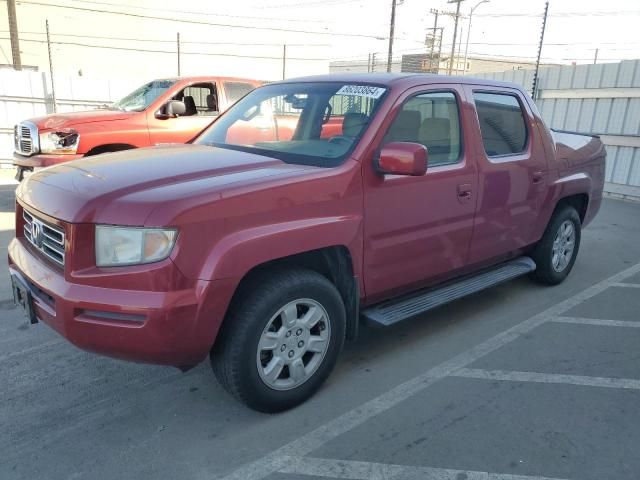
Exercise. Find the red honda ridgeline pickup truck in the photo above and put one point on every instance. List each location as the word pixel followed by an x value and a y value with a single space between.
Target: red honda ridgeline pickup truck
pixel 266 254
pixel 170 110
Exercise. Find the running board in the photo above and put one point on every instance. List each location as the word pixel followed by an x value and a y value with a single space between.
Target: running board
pixel 393 311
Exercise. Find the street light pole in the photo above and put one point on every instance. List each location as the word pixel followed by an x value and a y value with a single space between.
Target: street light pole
pixel 466 48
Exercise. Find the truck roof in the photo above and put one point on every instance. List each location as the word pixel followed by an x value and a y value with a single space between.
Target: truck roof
pixel 209 78
pixel 399 79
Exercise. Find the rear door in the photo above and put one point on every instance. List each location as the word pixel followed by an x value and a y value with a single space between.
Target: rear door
pixel 511 172
pixel 201 101
pixel 418 229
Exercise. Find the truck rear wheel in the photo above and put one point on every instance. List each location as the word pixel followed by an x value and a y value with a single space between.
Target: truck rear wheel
pixel 556 252
pixel 280 340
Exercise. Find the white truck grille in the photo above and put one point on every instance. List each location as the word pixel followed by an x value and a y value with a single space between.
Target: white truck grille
pixel 47 238
pixel 25 138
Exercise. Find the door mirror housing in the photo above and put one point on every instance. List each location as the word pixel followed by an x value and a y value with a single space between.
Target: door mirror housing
pixel 172 109
pixel 403 158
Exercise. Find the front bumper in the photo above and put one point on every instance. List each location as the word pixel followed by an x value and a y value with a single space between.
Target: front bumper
pixel 42 160
pixel 175 328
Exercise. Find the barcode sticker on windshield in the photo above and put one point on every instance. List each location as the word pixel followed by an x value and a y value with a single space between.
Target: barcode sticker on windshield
pixel 361 91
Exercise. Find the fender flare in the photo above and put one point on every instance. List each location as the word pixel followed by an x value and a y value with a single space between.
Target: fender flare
pixel 239 252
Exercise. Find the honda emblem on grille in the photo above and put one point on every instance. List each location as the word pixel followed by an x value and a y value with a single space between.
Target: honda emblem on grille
pixel 36 233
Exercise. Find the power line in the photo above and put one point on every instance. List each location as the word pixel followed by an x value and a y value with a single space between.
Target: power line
pixel 312 3
pixel 172 52
pixel 565 14
pixel 129 39
pixel 156 9
pixel 198 22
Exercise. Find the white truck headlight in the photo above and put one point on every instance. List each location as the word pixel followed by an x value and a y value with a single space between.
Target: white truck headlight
pixel 132 245
pixel 64 141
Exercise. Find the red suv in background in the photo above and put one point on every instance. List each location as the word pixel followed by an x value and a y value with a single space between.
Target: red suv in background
pixel 172 110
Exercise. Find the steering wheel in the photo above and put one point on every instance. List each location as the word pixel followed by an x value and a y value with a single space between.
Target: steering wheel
pixel 340 139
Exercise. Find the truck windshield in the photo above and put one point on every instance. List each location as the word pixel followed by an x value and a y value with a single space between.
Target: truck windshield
pixel 141 98
pixel 307 123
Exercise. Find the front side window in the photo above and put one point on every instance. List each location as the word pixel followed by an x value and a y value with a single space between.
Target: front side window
pixel 502 123
pixel 432 120
pixel 141 98
pixel 307 123
pixel 199 99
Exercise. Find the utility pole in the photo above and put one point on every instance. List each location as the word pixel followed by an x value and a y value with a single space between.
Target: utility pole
pixel 373 62
pixel 284 60
pixel 535 74
pixel 459 50
pixel 178 46
pixel 13 34
pixel 595 57
pixel 455 33
pixel 53 86
pixel 433 38
pixel 391 33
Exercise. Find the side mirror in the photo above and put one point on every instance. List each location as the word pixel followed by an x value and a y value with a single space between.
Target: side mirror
pixel 403 158
pixel 175 108
pixel 172 109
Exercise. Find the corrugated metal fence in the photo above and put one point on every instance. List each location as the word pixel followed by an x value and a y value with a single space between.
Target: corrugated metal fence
pixel 599 99
pixel 27 94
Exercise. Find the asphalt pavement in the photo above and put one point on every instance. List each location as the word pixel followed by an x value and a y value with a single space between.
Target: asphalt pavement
pixel 520 382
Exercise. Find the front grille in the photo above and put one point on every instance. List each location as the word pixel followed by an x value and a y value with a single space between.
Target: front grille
pixel 47 238
pixel 25 137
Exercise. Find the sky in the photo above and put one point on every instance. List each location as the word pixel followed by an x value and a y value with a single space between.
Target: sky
pixel 246 37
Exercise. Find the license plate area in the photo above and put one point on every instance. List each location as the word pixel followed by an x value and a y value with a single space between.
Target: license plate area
pixel 23 298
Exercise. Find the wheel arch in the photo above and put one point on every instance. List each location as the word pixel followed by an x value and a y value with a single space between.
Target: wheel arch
pixel 334 263
pixel 579 201
pixel 109 147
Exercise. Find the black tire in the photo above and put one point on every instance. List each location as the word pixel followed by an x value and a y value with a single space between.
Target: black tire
pixel 545 272
pixel 233 357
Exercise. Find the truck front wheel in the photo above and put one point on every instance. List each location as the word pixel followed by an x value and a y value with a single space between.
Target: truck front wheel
pixel 556 252
pixel 280 340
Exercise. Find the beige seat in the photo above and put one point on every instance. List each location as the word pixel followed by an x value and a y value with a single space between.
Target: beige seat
pixel 404 128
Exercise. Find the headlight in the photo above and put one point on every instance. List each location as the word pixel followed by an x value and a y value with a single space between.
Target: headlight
pixel 63 141
pixel 131 245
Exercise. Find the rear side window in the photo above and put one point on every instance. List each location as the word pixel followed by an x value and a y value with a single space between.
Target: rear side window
pixel 502 124
pixel 237 90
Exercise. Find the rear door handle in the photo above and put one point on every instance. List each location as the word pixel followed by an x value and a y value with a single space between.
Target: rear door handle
pixel 537 177
pixel 464 192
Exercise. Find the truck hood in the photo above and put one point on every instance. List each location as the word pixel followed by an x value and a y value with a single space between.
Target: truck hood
pixel 124 188
pixel 64 120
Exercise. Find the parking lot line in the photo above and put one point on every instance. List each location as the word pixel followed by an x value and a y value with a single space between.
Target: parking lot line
pixel 626 285
pixel 355 470
pixel 596 321
pixel 513 376
pixel 311 441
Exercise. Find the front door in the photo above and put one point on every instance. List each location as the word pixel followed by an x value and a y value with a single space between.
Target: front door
pixel 418 229
pixel 201 102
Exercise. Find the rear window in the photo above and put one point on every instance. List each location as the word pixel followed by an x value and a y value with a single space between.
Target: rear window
pixel 502 123
pixel 236 90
